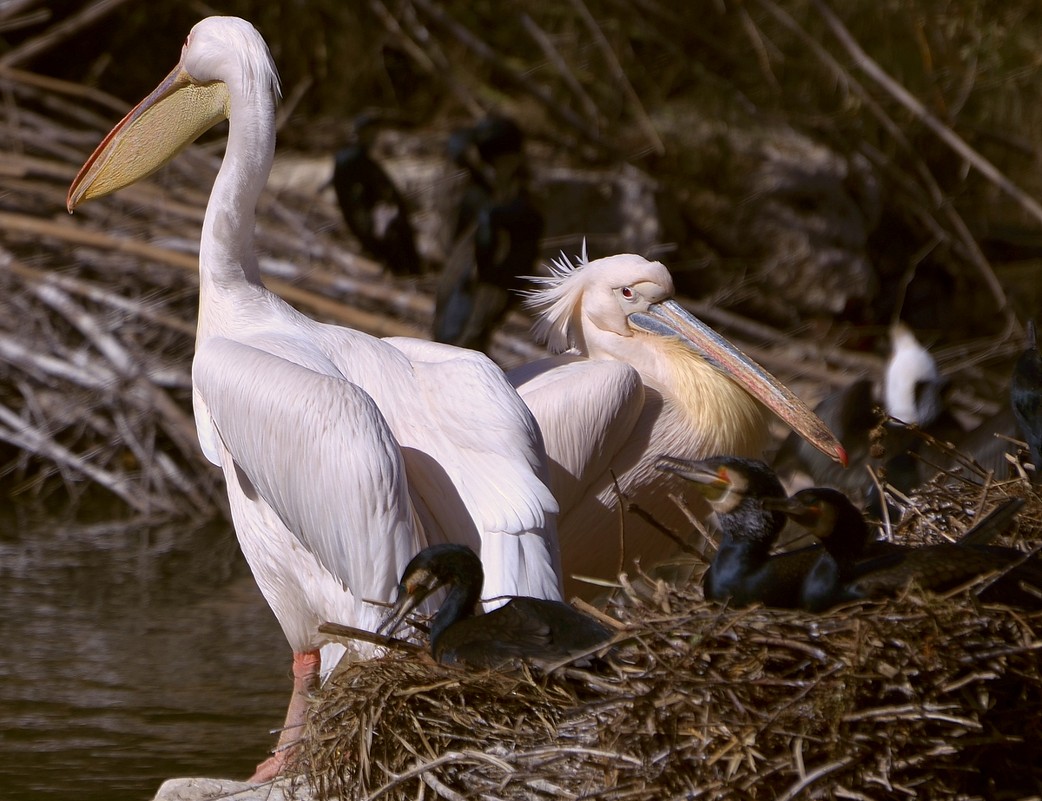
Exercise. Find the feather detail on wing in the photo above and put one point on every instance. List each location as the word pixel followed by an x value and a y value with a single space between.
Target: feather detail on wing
pixel 582 441
pixel 487 442
pixel 318 451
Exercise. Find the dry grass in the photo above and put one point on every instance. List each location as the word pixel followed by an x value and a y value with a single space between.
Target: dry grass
pixel 920 696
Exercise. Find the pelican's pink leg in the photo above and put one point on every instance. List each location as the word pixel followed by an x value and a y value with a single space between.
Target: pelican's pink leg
pixel 306 665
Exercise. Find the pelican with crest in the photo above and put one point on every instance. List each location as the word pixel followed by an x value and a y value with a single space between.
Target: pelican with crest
pixel 343 454
pixel 637 376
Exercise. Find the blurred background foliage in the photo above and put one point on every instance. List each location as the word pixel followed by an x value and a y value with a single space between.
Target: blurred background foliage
pixel 806 185
pixel 974 63
pixel 607 82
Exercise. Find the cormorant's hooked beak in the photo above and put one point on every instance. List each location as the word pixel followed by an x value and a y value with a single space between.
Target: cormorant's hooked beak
pixel 156 129
pixel 695 471
pixel 806 514
pixel 669 319
pixel 410 595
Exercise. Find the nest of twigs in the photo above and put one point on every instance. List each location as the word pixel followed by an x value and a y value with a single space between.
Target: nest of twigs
pixel 919 696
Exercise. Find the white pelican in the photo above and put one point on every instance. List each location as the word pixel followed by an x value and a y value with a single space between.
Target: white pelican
pixel 344 455
pixel 638 377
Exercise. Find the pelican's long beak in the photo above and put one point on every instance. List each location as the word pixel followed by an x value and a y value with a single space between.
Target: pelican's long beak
pixel 668 318
pixel 156 129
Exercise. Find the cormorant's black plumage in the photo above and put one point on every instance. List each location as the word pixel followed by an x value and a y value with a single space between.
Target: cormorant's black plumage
pixel 497 235
pixel 372 206
pixel 743 570
pixel 530 630
pixel 847 571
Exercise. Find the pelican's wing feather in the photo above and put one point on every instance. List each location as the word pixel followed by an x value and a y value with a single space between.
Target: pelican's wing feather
pixel 605 400
pixel 316 449
pixel 485 440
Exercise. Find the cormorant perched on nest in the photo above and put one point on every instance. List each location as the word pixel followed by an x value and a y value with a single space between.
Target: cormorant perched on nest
pixel 840 577
pixel 530 630
pixel 744 571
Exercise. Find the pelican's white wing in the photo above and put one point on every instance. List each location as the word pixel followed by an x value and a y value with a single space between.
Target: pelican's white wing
pixel 485 440
pixel 320 454
pixel 587 410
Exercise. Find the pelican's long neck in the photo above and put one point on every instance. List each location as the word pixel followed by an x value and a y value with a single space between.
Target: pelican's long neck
pixel 711 412
pixel 227 256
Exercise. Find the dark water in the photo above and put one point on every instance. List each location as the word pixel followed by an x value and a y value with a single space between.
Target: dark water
pixel 129 656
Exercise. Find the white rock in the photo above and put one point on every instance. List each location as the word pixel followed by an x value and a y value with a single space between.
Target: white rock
pixel 212 789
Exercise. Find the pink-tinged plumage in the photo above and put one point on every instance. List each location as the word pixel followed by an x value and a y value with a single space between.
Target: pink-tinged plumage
pixel 637 377
pixel 344 455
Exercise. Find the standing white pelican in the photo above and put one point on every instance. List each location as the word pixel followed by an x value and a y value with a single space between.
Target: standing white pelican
pixel 638 377
pixel 344 455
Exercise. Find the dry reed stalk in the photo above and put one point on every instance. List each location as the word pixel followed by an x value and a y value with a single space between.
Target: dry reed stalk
pixel 98 307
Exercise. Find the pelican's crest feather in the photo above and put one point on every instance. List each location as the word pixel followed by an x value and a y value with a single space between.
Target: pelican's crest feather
pixel 558 301
pixel 258 67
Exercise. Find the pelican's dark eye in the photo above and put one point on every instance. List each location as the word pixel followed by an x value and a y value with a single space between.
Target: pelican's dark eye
pixel 628 293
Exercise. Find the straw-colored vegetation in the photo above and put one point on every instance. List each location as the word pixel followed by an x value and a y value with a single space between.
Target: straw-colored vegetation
pixel 919 697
